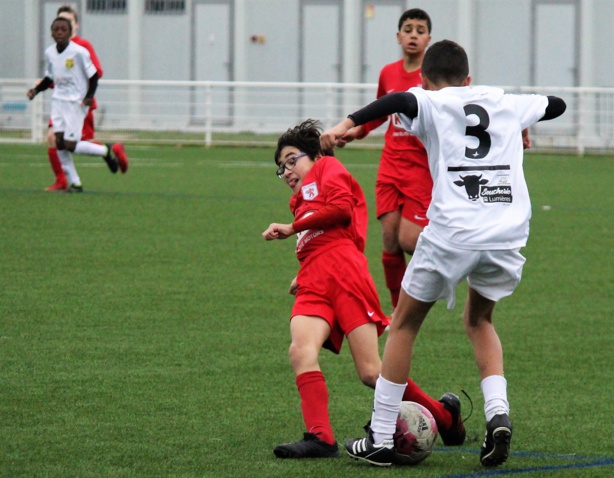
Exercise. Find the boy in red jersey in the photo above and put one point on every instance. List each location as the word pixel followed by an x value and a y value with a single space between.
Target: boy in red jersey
pixel 335 294
pixel 403 186
pixel 115 151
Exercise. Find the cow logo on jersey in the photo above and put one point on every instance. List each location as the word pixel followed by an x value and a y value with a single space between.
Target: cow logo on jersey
pixel 310 191
pixel 70 63
pixel 472 185
pixel 475 187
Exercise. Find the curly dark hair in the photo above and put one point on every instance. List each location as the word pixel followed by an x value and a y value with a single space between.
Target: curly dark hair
pixel 305 137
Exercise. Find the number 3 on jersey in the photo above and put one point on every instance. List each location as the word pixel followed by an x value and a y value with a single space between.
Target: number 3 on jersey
pixel 478 131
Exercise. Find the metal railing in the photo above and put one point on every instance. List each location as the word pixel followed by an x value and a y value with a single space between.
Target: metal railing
pixel 255 113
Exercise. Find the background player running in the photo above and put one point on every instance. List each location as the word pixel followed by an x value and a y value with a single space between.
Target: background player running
pixel 403 185
pixel 70 69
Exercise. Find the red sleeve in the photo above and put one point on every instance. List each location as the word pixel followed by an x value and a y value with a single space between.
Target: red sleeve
pixel 381 91
pixel 88 46
pixel 327 216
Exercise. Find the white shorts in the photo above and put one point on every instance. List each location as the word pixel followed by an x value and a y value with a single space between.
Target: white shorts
pixel 436 269
pixel 67 118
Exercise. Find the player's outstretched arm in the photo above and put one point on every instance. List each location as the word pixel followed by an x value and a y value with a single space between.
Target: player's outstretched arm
pixel 402 102
pixel 278 231
pixel 358 132
pixel 556 107
pixel 334 136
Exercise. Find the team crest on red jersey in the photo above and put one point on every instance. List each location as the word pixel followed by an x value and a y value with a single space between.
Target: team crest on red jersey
pixel 309 191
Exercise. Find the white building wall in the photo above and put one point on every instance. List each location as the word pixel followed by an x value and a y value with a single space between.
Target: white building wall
pixel 132 45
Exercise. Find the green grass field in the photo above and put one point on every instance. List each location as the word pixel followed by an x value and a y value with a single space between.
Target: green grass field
pixel 144 324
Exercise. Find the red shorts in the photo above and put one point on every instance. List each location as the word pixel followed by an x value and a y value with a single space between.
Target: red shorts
pixel 87 133
pixel 336 285
pixel 410 191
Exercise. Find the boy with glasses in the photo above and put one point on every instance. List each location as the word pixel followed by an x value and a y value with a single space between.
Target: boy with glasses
pixel 335 296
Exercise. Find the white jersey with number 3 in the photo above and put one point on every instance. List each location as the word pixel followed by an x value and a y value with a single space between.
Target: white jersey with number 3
pixel 473 136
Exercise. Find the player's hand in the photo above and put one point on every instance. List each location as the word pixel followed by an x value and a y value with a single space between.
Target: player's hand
pixel 31 93
pixel 526 139
pixel 278 231
pixel 356 132
pixel 293 287
pixel 87 102
pixel 334 136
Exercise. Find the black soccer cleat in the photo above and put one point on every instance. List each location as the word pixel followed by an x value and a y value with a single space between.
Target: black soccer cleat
pixel 496 447
pixel 363 449
pixel 75 188
pixel 455 435
pixel 111 159
pixel 309 447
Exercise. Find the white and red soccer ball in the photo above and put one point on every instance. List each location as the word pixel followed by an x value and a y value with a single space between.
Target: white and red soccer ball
pixel 415 435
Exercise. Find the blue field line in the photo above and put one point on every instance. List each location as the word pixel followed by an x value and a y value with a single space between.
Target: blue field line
pixel 579 462
pixel 531 454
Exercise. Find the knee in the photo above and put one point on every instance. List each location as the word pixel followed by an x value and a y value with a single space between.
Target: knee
pixel 390 242
pixel 477 324
pixel 369 375
pixel 302 357
pixel 408 241
pixel 408 244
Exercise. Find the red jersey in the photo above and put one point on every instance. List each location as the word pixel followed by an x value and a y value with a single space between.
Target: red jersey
pixel 329 182
pixel 402 151
pixel 88 46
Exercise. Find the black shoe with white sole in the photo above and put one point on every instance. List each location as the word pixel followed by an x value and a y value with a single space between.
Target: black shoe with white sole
pixel 309 447
pixel 496 447
pixel 363 449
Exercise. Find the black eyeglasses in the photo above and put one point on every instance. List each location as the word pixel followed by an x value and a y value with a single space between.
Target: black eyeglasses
pixel 289 165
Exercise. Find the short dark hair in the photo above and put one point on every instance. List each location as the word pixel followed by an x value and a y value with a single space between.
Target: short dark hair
pixel 305 137
pixel 445 62
pixel 62 19
pixel 416 14
pixel 68 9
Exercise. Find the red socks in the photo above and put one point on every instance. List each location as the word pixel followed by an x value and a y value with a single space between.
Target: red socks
pixel 413 393
pixel 394 270
pixel 56 166
pixel 314 404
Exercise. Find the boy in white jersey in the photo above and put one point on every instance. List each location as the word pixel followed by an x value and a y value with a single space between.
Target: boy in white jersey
pixel 75 78
pixel 478 221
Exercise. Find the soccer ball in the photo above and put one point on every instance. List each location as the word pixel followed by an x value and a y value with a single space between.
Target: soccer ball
pixel 415 434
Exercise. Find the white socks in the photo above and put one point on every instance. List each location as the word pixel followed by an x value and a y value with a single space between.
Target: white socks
pixel 93 149
pixel 494 389
pixel 82 147
pixel 386 406
pixel 69 167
